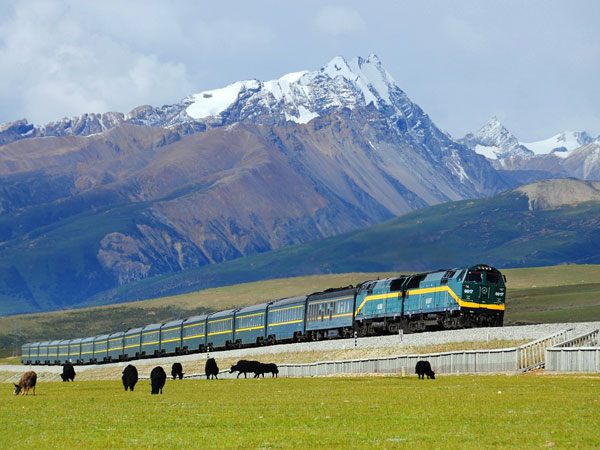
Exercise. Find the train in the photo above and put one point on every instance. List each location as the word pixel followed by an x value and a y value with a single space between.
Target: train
pixel 471 296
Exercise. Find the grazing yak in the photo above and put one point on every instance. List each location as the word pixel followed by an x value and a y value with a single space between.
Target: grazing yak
pixel 130 377
pixel 27 382
pixel 68 372
pixel 177 371
pixel 243 367
pixel 424 368
pixel 269 368
pixel 211 369
pixel 158 377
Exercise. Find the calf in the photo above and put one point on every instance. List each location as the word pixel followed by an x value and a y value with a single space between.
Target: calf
pixel 157 379
pixel 177 371
pixel 68 372
pixel 130 377
pixel 211 369
pixel 244 367
pixel 269 368
pixel 27 382
pixel 424 368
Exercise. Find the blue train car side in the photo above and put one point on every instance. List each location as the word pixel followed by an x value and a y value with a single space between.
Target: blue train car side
pixel 115 346
pixel 219 330
pixel 132 344
pixel 63 351
pixel 87 350
pixel 250 325
pixel 75 351
pixel 25 358
pixel 150 340
pixel 286 320
pixel 330 313
pixel 170 337
pixel 194 334
pixel 100 348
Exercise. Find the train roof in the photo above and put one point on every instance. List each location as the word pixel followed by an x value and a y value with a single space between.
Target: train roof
pixel 152 327
pixel 75 341
pixel 288 301
pixel 195 319
pixel 88 339
pixel 117 334
pixel 55 342
pixel 228 312
pixel 247 309
pixel 172 323
pixel 132 331
pixel 100 337
pixel 65 341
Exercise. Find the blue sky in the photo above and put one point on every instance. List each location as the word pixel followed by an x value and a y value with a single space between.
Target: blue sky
pixel 533 64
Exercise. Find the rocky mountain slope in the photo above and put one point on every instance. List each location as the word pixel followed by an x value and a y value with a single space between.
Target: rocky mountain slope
pixel 102 200
pixel 554 222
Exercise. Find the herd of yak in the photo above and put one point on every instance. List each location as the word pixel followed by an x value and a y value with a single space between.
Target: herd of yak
pixel 158 375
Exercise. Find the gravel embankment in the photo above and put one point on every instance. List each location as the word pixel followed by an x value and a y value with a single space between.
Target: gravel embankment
pixel 9 373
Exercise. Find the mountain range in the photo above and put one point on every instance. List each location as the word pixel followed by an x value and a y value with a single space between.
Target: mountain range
pixel 567 154
pixel 93 203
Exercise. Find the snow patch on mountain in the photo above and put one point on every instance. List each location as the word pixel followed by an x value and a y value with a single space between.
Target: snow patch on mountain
pixel 561 144
pixel 212 103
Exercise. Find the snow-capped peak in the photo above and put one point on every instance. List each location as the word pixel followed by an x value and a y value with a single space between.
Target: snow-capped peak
pixel 494 141
pixel 300 95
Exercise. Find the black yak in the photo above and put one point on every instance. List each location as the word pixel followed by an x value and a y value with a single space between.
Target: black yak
pixel 130 377
pixel 158 377
pixel 424 368
pixel 211 369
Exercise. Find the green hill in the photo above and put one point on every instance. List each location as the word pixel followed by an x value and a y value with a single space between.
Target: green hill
pixel 502 231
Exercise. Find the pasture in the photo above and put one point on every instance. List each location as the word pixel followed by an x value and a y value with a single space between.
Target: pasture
pixel 530 411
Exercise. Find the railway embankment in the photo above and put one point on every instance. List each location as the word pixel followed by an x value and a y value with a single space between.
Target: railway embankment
pixel 329 350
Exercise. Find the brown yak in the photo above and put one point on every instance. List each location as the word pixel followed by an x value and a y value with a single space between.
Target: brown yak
pixel 27 382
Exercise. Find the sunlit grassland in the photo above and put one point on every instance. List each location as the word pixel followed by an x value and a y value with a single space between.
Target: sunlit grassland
pixel 525 411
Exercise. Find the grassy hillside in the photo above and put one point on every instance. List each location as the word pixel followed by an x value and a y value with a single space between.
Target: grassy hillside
pixel 500 231
pixel 57 267
pixel 535 295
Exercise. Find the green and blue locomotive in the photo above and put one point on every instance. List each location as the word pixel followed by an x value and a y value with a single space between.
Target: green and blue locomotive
pixel 471 296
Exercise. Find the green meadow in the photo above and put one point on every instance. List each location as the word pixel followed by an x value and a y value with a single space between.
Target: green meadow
pixel 523 411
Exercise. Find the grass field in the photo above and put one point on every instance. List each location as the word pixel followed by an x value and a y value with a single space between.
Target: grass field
pixel 525 411
pixel 535 295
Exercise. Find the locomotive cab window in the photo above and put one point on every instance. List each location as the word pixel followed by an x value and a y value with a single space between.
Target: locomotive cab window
pixel 474 276
pixel 492 277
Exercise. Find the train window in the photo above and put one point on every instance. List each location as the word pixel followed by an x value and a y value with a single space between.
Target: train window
pixel 492 277
pixel 461 274
pixel 396 285
pixel 474 276
pixel 415 281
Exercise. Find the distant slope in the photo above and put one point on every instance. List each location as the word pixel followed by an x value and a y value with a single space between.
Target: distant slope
pixel 519 228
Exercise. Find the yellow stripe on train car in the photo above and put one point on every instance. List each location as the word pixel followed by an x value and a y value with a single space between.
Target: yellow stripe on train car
pixel 192 337
pixel 462 303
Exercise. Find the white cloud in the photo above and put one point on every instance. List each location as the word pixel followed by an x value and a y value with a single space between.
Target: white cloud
pixel 61 59
pixel 337 20
pixel 52 66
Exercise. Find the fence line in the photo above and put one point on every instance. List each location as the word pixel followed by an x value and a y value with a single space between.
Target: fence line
pixel 533 354
pixel 580 354
pixel 587 339
pixel 513 359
